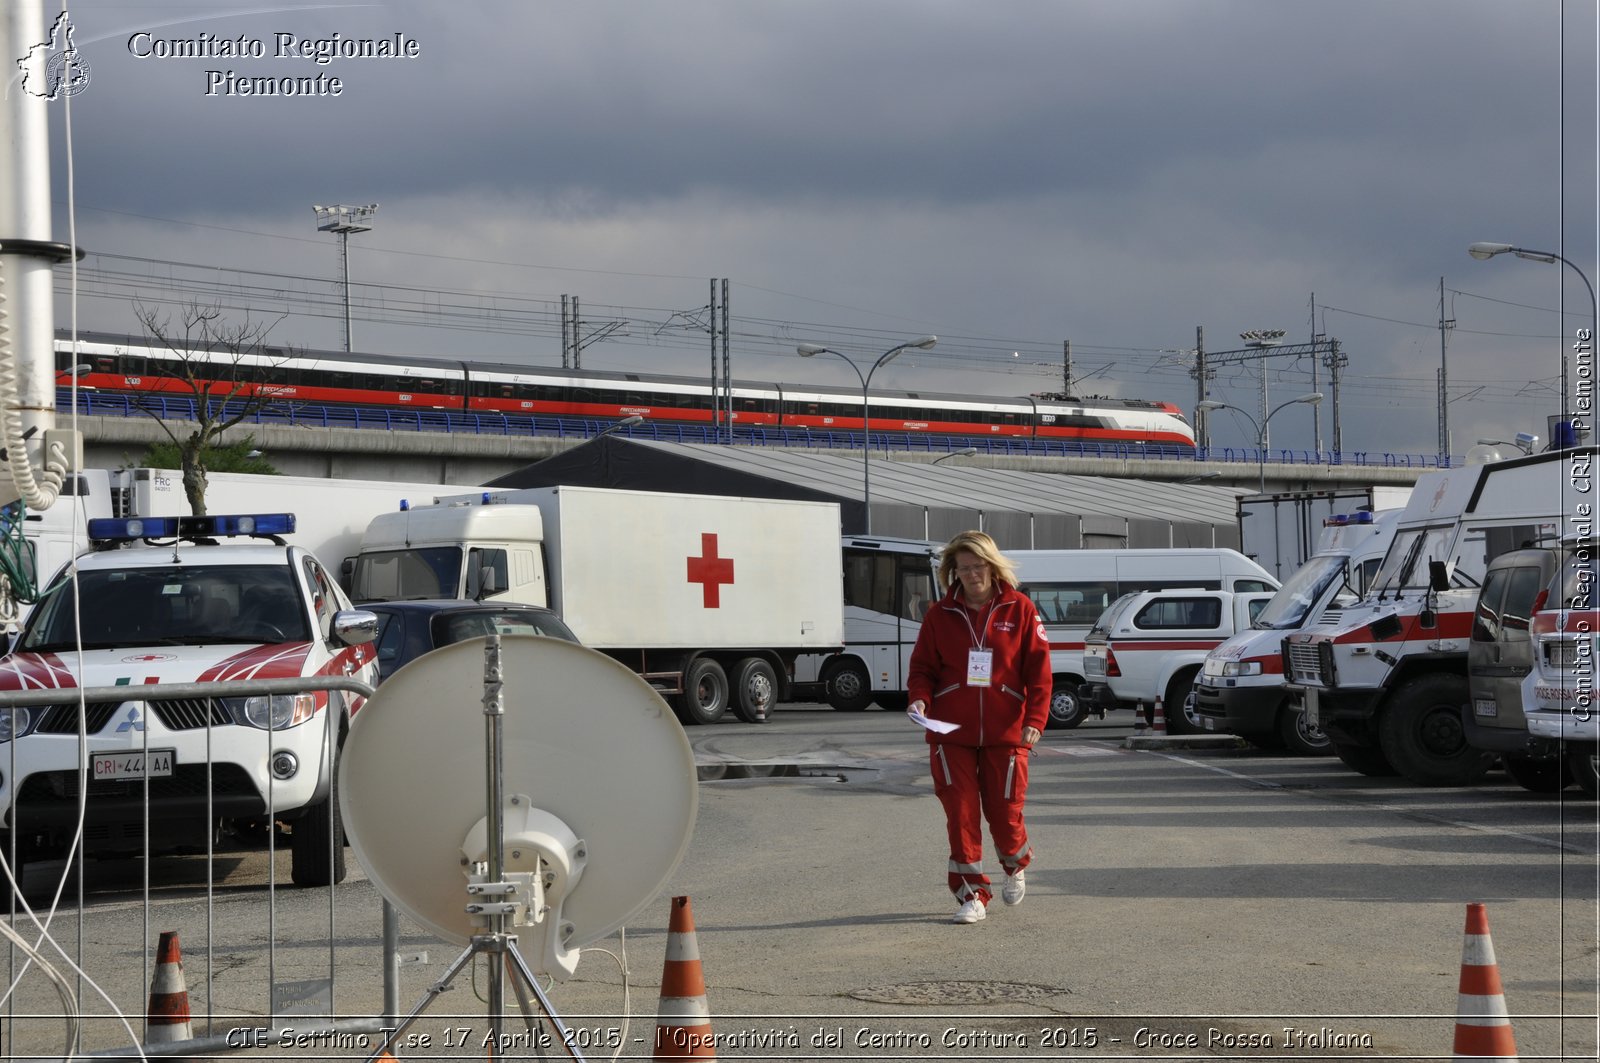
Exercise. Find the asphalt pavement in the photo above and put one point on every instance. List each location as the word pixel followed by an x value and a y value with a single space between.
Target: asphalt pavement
pixel 1183 903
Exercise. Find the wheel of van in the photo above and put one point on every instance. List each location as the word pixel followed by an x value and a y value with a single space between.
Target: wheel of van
pixel 1178 709
pixel 1540 775
pixel 1297 735
pixel 1066 710
pixel 755 690
pixel 1584 763
pixel 849 686
pixel 1367 760
pixel 705 692
pixel 1422 735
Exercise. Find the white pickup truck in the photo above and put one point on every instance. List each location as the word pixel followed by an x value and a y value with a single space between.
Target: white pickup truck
pixel 1152 644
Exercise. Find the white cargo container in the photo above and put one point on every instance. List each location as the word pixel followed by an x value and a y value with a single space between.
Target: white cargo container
pixel 330 515
pixel 710 598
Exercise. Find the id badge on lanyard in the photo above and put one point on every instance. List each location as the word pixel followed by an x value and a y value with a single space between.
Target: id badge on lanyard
pixel 980 667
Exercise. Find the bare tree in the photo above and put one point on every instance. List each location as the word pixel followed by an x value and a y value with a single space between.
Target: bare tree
pixel 223 366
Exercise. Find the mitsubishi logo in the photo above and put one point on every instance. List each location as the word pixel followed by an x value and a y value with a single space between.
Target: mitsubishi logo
pixel 132 723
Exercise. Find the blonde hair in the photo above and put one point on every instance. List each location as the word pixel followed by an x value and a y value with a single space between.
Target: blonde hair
pixel 979 545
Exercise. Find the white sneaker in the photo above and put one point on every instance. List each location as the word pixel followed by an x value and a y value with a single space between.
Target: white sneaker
pixel 1015 888
pixel 970 912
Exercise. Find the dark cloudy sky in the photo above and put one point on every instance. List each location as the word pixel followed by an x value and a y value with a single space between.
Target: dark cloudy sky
pixel 1008 174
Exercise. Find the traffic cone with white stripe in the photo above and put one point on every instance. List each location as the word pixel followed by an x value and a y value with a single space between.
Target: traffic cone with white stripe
pixel 683 1021
pixel 1159 724
pixel 1483 1029
pixel 168 1017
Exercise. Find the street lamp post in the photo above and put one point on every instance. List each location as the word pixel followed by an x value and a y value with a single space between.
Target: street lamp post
pixel 1484 250
pixel 1261 426
pixel 964 452
pixel 808 350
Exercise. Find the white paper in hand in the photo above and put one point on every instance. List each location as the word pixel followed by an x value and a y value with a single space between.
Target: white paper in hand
pixel 938 727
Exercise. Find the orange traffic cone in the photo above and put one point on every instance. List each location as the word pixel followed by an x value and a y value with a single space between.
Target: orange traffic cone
pixel 683 1022
pixel 168 1017
pixel 1159 724
pixel 1483 1029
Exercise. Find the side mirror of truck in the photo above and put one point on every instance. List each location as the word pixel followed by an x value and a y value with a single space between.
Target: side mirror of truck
pixel 1439 575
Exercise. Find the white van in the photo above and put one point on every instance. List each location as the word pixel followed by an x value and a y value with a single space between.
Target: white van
pixel 1071 588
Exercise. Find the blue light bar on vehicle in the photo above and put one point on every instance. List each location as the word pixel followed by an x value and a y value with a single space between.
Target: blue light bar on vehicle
pixel 111 529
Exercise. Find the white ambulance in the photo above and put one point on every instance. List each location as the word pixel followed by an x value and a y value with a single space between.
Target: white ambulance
pixel 1241 689
pixel 1072 588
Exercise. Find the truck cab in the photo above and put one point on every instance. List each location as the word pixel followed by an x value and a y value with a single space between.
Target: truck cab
pixel 182 600
pixel 1152 644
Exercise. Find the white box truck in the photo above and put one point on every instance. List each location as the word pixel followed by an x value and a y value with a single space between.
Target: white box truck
pixel 709 598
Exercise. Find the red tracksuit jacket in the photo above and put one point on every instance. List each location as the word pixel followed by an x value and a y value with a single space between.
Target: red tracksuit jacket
pixel 1019 692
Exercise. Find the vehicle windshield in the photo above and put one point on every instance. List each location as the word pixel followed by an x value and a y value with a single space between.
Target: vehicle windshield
pixel 1405 566
pixel 178 606
pixel 402 575
pixel 1295 599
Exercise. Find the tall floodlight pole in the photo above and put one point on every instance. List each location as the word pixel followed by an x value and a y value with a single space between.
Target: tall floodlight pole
pixel 1261 426
pixel 1484 250
pixel 344 221
pixel 1261 339
pixel 808 350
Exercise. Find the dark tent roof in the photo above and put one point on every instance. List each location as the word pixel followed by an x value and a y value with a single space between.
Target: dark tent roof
pixel 911 499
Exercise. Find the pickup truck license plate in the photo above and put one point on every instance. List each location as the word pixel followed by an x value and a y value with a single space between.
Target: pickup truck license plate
pixel 131 765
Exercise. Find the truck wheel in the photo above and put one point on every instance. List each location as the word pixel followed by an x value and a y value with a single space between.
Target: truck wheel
pixel 705 692
pixel 1179 707
pixel 1540 775
pixel 1421 733
pixel 849 686
pixel 1066 711
pixel 755 690
pixel 1585 768
pixel 1367 760
pixel 1298 735
pixel 317 844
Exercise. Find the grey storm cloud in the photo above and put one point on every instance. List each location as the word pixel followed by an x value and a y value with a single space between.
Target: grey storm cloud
pixel 1016 173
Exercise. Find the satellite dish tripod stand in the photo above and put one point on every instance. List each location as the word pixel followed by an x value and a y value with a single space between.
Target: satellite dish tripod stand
pixel 501 904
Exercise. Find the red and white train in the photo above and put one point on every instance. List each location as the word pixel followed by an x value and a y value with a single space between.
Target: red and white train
pixel 123 365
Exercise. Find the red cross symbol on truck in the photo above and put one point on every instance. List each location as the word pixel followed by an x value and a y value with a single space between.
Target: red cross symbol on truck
pixel 710 571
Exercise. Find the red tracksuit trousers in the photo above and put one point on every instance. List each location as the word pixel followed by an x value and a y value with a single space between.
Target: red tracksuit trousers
pixel 975 784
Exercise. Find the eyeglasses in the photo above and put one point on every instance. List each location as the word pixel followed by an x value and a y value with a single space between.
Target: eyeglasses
pixel 970 570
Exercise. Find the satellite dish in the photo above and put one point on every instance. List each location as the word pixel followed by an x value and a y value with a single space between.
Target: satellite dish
pixel 597 777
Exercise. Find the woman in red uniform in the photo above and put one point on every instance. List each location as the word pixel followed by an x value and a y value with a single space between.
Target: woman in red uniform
pixel 982 662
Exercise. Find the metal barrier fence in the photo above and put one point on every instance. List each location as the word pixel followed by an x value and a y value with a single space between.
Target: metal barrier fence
pixel 94 403
pixel 268 958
